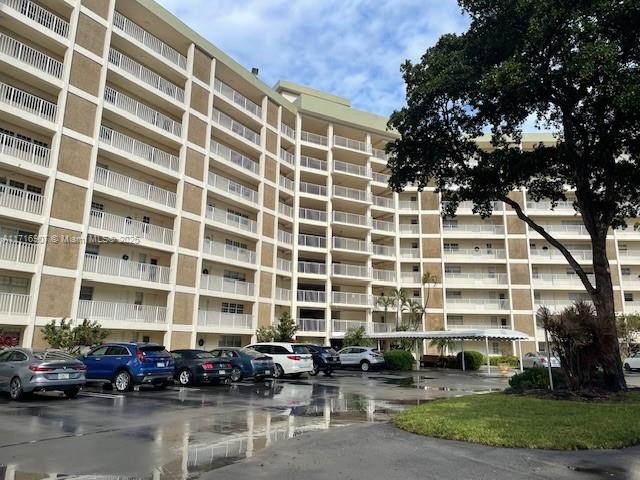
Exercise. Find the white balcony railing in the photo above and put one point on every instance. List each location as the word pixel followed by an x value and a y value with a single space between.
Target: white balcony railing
pixel 283 294
pixel 314 241
pixel 130 228
pixel 381 154
pixel 233 188
pixel 343 243
pixel 286 183
pixel 475 278
pixel 26 151
pixel 216 283
pixel 30 56
pixel 313 163
pixel 384 250
pixel 312 214
pixel 138 149
pixel 555 304
pixel 121 312
pixel 228 123
pixel 554 254
pixel 16 98
pixel 287 131
pixel 286 210
pixel 285 237
pixel 381 177
pixel 287 157
pixel 346 270
pixel 351 193
pixel 411 228
pixel 312 296
pixel 352 144
pixel 118 267
pixel 142 111
pixel 21 200
pixel 18 252
pixel 122 23
pixel 237 98
pixel 408 205
pixel 142 73
pixel 352 169
pixel 409 252
pixel 14 303
pixel 311 324
pixel 312 268
pixel 351 218
pixel 559 279
pixel 475 326
pixel 283 264
pixel 479 253
pixel 218 319
pixel 35 12
pixel 410 277
pixel 455 303
pixel 383 225
pixel 384 275
pixel 134 187
pixel 344 325
pixel 313 189
pixel 234 157
pixel 229 252
pixel 314 138
pixel 472 228
pixel 569 229
pixel 231 219
pixel 546 206
pixel 383 201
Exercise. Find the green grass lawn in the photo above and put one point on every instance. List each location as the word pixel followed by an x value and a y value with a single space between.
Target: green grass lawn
pixel 500 419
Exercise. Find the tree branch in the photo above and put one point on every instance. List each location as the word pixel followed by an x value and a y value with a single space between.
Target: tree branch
pixel 565 252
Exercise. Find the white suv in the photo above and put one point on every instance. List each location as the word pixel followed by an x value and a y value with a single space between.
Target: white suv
pixel 289 358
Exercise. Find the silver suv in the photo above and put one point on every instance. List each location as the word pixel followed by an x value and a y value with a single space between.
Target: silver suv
pixel 364 357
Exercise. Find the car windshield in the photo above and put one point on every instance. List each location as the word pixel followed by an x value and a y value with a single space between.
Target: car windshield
pixel 329 350
pixel 300 349
pixel 251 352
pixel 204 355
pixel 151 348
pixel 52 355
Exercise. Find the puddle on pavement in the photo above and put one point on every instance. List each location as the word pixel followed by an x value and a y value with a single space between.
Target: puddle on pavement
pixel 420 384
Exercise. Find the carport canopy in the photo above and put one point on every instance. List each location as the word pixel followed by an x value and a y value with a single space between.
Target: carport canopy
pixel 461 335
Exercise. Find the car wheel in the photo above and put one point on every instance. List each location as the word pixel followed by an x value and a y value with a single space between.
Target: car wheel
pixel 315 371
pixel 278 371
pixel 627 367
pixel 72 393
pixel 236 374
pixel 328 372
pixel 122 381
pixel 15 389
pixel 365 366
pixel 185 377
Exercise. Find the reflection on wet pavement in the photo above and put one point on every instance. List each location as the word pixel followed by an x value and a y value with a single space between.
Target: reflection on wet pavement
pixel 180 433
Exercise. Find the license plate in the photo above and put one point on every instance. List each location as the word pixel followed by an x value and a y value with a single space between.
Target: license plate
pixel 160 364
pixel 222 372
pixel 63 376
pixel 267 372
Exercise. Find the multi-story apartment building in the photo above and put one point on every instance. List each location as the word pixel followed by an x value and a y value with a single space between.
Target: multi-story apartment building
pixel 151 183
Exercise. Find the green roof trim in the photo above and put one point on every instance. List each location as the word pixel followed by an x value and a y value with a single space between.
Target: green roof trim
pixel 296 88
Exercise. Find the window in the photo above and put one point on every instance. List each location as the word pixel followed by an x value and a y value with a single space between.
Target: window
pixel 452 269
pixel 237 213
pixel 14 285
pixel 454 294
pixel 17 357
pixel 34 189
pixel 86 293
pixel 415 268
pixel 232 308
pixel 232 275
pixel 451 247
pixel 235 243
pixel 450 223
pixel 495 348
pixel 455 320
pixel 92 249
pixel 626 271
pixel 97 206
pixel 230 341
pixel 628 296
pixel 98 351
pixel 138 298
pixel 117 350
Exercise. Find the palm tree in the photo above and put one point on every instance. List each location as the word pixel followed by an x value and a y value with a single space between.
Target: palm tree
pixel 442 344
pixel 385 302
pixel 429 280
pixel 400 298
pixel 417 311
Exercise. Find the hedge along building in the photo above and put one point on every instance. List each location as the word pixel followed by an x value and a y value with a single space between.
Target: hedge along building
pixel 151 183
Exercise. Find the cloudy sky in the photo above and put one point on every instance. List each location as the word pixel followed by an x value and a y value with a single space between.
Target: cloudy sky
pixel 351 48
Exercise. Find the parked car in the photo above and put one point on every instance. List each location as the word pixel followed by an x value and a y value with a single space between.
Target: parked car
pixel 25 370
pixel 632 362
pixel 288 358
pixel 325 359
pixel 364 357
pixel 246 363
pixel 125 365
pixel 539 359
pixel 199 366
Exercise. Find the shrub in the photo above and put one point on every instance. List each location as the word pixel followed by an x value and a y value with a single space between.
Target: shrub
pixel 356 336
pixel 537 378
pixel 472 360
pixel 510 359
pixel 399 359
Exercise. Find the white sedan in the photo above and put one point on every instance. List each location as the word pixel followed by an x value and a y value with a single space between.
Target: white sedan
pixel 632 362
pixel 539 359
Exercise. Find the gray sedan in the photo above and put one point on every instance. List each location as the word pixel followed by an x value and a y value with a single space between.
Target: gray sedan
pixel 25 370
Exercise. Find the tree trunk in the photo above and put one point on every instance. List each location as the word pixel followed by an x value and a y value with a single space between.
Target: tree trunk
pixel 605 309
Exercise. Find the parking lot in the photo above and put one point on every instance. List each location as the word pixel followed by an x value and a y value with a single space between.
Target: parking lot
pixel 184 432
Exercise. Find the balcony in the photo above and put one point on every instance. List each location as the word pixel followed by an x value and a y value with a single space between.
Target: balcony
pixel 411 277
pixel 455 303
pixel 313 189
pixel 475 278
pixel 383 226
pixel 283 294
pixel 117 267
pixel 351 169
pixel 632 307
pixel 141 111
pixel 554 280
pixel 383 202
pixel 384 275
pixel 287 131
pixel 545 206
pixel 21 200
pixel 353 244
pixel 351 193
pixel 136 188
pixel 234 157
pixel 123 24
pixel 381 178
pixel 283 264
pixel 286 183
pixel 312 214
pixel 130 228
pixel 25 151
pixel 228 252
pixel 314 138
pixel 311 324
pixel 312 268
pixel 409 252
pixel 380 154
pixel 216 283
pixel 560 229
pixel 284 209
pixel 554 254
pixel 468 205
pixel 384 250
pixel 14 303
pixel 287 157
pixel 313 163
pixel 313 241
pixel 121 312
pixel 218 319
pixel 237 98
pixel 285 237
pixel 231 219
pixel 345 142
pixel 476 326
pixel 556 305
pixel 409 228
pixel 341 326
pixel 234 188
pixel 16 98
pixel 408 205
pixel 312 296
pixel 225 121
pixel 475 253
pixel 474 228
pixel 351 219
pixel 146 76
pixel 36 13
pixel 142 151
pixel 29 56
pixel 13 251
pixel 346 270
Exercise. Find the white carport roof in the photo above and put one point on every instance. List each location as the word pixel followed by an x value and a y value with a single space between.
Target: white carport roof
pixel 472 334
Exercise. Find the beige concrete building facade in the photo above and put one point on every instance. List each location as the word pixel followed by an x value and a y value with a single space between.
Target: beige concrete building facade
pixel 149 182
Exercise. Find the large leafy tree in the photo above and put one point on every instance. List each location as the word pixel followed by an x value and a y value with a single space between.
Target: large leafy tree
pixel 574 67
pixel 72 338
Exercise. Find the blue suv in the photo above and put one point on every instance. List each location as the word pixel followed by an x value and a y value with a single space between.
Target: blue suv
pixel 125 365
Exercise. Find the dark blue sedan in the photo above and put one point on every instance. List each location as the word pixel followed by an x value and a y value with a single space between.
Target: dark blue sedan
pixel 246 363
